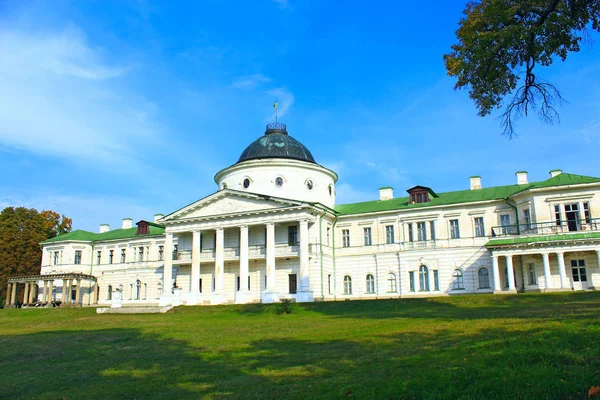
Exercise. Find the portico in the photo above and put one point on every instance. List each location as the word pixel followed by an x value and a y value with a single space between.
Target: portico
pixel 31 287
pixel 272 240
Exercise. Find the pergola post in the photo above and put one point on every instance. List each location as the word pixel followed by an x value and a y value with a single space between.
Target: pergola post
pixel 8 293
pixel 78 293
pixel 33 293
pixel 13 297
pixel 69 290
pixel 45 292
pixel 26 294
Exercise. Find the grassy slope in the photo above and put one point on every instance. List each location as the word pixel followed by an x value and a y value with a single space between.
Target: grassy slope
pixel 523 346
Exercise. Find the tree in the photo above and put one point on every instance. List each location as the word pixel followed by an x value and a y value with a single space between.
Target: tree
pixel 21 231
pixel 501 42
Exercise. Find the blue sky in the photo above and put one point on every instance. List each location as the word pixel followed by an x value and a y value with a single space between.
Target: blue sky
pixel 126 109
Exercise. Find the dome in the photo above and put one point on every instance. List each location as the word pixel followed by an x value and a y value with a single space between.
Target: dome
pixel 276 143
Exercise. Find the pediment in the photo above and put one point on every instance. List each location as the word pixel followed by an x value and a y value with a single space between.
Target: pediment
pixel 227 202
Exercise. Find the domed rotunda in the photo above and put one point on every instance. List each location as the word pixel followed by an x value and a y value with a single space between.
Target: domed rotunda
pixel 276 164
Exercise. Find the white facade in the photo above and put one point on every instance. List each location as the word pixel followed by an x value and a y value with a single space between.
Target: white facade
pixel 273 239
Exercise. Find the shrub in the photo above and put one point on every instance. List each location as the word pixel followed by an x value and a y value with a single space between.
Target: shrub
pixel 285 307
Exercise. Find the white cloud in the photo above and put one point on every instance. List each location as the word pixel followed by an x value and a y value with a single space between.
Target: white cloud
pixel 346 193
pixel 250 81
pixel 59 97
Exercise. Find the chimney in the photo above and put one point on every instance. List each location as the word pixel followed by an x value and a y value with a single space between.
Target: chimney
pixel 521 177
pixel 555 172
pixel 104 228
pixel 386 193
pixel 127 223
pixel 157 217
pixel 475 182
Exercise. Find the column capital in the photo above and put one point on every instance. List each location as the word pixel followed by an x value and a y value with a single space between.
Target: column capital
pixel 218 229
pixel 243 227
pixel 269 224
pixel 560 253
pixel 196 231
pixel 169 235
pixel 303 222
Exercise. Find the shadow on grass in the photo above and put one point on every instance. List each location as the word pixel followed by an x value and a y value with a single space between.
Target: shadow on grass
pixel 559 362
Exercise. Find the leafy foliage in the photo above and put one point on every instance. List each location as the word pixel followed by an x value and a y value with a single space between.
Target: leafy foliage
pixel 500 42
pixel 21 231
pixel 285 307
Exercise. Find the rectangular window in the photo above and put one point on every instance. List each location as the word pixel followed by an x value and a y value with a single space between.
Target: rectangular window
pixel 98 257
pixel 123 251
pixel 265 281
pixel 421 231
pixel 161 252
pixel 56 258
pixel 411 276
pixel 292 235
pixel 328 234
pixel 586 212
pixel 140 254
pixel 479 228
pixel 436 280
pixel 454 232
pixel 410 232
pixel 248 282
pixel 200 285
pixel 237 283
pixel 505 223
pixel 367 235
pixel 557 214
pixel 293 283
pixel 432 229
pixel 329 283
pixel 77 257
pixel 531 273
pixel 345 237
pixel 389 234
pixel 527 218
pixel 111 255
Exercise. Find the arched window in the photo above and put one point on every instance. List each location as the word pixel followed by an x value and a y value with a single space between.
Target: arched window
pixel 347 285
pixel 457 280
pixel 370 284
pixel 392 282
pixel 138 289
pixel 159 290
pixel 109 293
pixel 484 278
pixel 423 278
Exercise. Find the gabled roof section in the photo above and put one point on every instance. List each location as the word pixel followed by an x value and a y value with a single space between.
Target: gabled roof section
pixel 463 196
pixel 418 188
pixel 85 236
pixel 218 204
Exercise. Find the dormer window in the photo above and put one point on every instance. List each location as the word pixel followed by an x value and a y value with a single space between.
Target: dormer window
pixel 142 228
pixel 420 194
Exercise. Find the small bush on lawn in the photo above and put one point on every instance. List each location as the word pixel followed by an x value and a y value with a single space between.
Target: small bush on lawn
pixel 285 307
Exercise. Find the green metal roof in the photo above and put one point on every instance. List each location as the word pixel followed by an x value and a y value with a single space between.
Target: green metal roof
pixel 545 238
pixel 129 233
pixel 462 196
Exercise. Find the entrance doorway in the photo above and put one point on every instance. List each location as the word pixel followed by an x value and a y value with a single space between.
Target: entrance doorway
pixel 579 275
pixel 572 214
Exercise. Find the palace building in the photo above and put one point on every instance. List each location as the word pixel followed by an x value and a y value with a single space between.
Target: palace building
pixel 273 231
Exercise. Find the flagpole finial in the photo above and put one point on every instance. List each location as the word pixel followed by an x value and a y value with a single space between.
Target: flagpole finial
pixel 275 107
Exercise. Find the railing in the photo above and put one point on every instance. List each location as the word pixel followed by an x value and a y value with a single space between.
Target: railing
pixel 421 244
pixel 285 249
pixel 548 228
pixel 254 251
pixel 182 255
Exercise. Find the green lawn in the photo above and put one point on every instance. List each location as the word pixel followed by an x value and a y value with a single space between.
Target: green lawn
pixel 525 346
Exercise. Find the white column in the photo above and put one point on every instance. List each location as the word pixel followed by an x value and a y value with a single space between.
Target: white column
pixel 510 272
pixel 547 275
pixel 496 273
pixel 26 293
pixel 243 295
pixel 564 284
pixel 598 256
pixel 195 276
pixel 166 298
pixel 270 295
pixel 217 297
pixel 304 293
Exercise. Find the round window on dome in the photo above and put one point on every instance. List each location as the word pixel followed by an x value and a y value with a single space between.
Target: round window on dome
pixel 279 181
pixel 224 186
pixel 309 184
pixel 246 183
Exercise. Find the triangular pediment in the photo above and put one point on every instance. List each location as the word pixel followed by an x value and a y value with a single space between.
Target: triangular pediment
pixel 228 202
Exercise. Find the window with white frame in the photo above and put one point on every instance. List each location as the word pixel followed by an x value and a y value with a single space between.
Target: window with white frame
pixel 389 234
pixel 432 230
pixel 531 274
pixel 123 254
pixel 370 283
pixel 138 289
pixel 423 278
pixel 367 236
pixel 436 280
pixel 557 218
pixel 410 232
pixel 77 259
pixel 586 212
pixel 411 280
pixel 56 258
pixel 141 253
pixel 98 257
pixel 527 218
pixel 484 278
pixel 111 255
pixel 479 227
pixel 454 231
pixel 161 252
pixel 347 284
pixel 346 237
pixel 457 280
pixel 421 231
pixel 392 282
pixel 505 223
pixel 292 235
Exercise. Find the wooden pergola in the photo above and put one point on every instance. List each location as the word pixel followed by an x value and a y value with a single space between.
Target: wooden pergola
pixel 32 284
